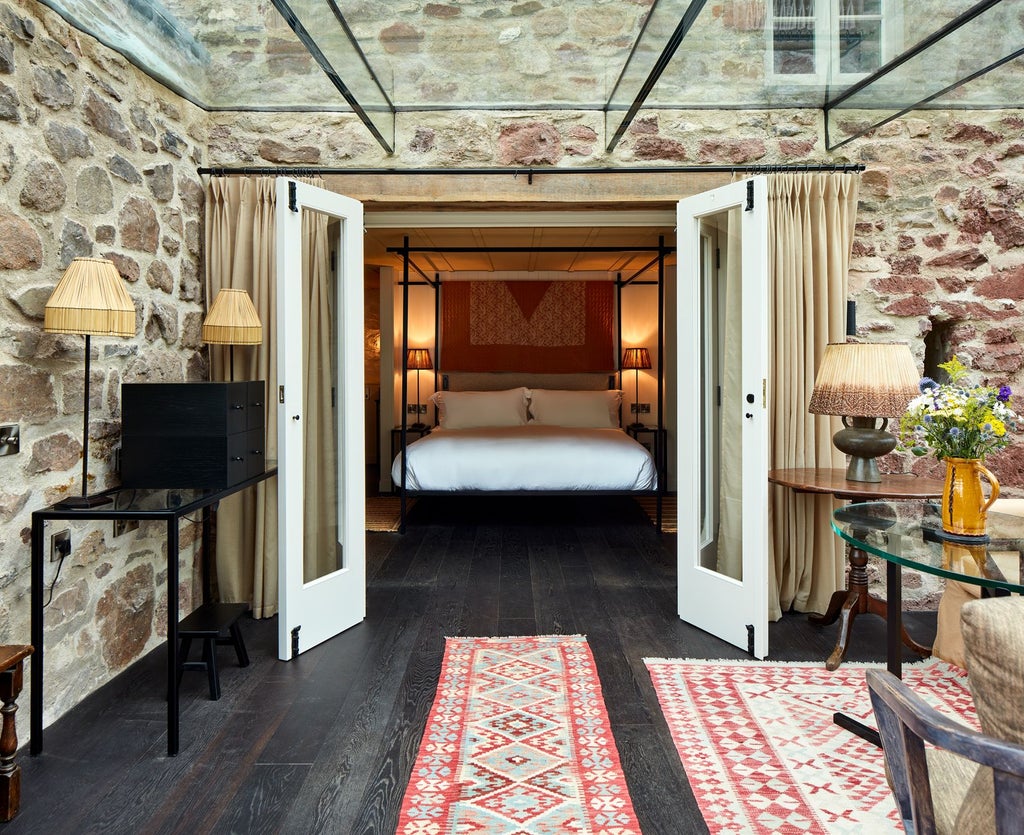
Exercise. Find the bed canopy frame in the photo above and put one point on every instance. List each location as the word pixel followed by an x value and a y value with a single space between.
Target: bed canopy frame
pixel 659 255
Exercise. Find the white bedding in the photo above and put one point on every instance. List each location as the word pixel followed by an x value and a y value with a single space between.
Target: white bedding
pixel 532 457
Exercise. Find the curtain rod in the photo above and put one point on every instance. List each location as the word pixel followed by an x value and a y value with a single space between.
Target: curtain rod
pixel 294 171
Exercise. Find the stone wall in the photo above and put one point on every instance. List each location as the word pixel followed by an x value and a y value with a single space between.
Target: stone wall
pixel 95 160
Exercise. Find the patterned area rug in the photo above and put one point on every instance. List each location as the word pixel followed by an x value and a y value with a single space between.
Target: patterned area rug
pixel 761 750
pixel 383 513
pixel 517 743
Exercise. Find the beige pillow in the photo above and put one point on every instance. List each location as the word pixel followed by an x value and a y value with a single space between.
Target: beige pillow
pixel 479 409
pixel 993 633
pixel 578 409
pixel 949 643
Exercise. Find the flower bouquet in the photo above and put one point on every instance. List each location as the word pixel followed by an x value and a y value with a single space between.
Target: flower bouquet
pixel 960 424
pixel 956 420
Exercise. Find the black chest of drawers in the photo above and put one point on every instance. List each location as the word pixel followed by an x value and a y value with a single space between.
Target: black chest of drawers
pixel 201 435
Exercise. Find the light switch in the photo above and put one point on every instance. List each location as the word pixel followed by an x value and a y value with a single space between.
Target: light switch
pixel 10 439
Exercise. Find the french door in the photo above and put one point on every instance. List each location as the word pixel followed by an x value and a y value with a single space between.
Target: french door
pixel 722 453
pixel 321 492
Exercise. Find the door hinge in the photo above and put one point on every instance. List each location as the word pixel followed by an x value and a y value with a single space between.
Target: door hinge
pixel 750 638
pixel 280 394
pixel 750 196
pixel 293 200
pixel 295 640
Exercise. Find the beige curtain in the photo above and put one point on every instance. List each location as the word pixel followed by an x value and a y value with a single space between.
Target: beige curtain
pixel 241 254
pixel 812 223
pixel 730 529
pixel 320 528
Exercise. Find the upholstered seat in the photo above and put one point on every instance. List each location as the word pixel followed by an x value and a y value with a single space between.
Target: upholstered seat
pixel 969 782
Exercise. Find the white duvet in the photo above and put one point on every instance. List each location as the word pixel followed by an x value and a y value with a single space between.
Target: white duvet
pixel 531 457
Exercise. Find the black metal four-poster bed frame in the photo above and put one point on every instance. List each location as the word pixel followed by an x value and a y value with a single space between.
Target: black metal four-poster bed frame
pixel 661 251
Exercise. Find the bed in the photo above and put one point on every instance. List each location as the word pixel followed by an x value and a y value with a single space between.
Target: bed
pixel 533 457
pixel 497 437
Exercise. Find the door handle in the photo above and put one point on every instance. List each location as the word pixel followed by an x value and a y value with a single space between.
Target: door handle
pixel 295 417
pixel 749 415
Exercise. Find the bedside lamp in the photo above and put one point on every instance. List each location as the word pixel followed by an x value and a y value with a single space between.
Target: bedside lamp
pixel 232 320
pixel 863 382
pixel 636 359
pixel 90 299
pixel 418 359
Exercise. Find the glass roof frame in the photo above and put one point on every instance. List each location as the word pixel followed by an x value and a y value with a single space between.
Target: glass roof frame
pixel 180 42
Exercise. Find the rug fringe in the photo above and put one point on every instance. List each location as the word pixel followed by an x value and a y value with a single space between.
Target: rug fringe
pixel 857 665
pixel 508 637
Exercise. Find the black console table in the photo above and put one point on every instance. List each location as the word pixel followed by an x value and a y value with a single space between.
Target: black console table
pixel 130 504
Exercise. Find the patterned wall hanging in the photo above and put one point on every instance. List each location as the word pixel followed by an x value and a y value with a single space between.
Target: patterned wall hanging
pixel 531 326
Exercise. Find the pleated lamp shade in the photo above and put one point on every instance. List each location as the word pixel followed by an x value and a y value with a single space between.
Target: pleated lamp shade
pixel 865 380
pixel 232 320
pixel 636 358
pixel 90 299
pixel 418 359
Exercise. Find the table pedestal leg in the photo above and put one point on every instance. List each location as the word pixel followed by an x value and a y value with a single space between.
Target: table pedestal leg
pixel 855 600
pixel 10 772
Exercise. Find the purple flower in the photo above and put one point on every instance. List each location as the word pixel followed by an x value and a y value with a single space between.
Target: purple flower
pixel 1004 394
pixel 927 384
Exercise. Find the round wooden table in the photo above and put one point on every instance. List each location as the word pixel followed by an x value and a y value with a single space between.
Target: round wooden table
pixel 847 603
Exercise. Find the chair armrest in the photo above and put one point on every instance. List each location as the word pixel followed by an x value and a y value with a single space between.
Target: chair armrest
pixel 906 722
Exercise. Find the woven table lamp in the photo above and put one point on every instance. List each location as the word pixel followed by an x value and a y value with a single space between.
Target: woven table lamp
pixel 863 382
pixel 90 299
pixel 636 359
pixel 418 359
pixel 232 320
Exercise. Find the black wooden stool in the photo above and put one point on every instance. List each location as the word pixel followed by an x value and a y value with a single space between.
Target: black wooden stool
pixel 209 623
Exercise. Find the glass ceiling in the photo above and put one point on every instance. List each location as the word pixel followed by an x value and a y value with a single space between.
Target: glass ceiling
pixel 862 61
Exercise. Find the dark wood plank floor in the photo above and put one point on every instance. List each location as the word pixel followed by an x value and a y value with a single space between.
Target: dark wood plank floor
pixel 326 743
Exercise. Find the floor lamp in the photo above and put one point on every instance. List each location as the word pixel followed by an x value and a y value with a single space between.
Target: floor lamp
pixel 90 299
pixel 232 320
pixel 636 359
pixel 418 359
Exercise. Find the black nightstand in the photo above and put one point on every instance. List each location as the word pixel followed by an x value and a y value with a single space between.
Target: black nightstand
pixel 654 439
pixel 411 434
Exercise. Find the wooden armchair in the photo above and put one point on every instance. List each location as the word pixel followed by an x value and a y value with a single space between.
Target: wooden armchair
pixel 969 782
pixel 931 787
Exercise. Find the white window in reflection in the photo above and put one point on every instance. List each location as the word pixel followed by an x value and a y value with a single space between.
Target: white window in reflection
pixel 815 41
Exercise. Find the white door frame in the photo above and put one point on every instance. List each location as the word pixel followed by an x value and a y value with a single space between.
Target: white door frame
pixel 734 610
pixel 311 612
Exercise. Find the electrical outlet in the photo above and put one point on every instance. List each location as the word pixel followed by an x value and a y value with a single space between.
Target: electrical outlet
pixel 10 439
pixel 412 409
pixel 423 408
pixel 60 545
pixel 634 408
pixel 645 408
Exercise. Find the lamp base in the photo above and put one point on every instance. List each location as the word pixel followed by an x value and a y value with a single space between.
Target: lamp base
pixel 637 425
pixel 864 441
pixel 82 502
pixel 417 426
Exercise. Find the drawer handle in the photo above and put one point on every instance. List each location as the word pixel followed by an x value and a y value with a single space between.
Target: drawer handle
pixel 236 406
pixel 237 458
pixel 257 405
pixel 255 451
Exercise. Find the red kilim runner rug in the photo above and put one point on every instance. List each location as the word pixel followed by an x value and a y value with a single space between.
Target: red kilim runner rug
pixel 763 755
pixel 517 743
